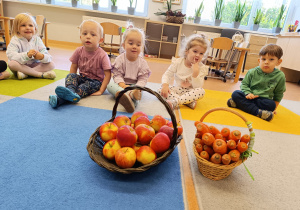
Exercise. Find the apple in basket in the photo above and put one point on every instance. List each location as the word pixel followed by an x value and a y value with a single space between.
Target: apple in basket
pixel 110 148
pixel 108 131
pixel 160 143
pixel 157 122
pixel 167 130
pixel 125 157
pixel 145 155
pixel 141 120
pixel 179 127
pixel 145 133
pixel 122 120
pixel 136 115
pixel 126 136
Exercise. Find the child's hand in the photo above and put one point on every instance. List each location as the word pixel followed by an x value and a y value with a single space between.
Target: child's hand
pixel 98 93
pixel 251 96
pixel 195 67
pixel 39 56
pixel 165 90
pixel 31 53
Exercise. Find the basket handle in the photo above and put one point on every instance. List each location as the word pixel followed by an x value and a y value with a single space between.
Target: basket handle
pixel 171 113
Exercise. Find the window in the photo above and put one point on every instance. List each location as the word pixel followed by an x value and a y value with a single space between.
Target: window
pixel 104 5
pixel 270 9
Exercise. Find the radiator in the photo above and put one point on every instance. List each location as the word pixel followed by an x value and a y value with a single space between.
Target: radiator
pixel 107 38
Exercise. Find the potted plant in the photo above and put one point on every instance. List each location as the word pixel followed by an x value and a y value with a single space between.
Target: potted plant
pixel 95 4
pixel 198 12
pixel 277 26
pixel 131 9
pixel 175 16
pixel 257 19
pixel 240 11
pixel 114 8
pixel 74 3
pixel 219 8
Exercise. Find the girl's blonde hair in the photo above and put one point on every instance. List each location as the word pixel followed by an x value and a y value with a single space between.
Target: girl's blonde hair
pixel 93 21
pixel 195 40
pixel 19 20
pixel 130 29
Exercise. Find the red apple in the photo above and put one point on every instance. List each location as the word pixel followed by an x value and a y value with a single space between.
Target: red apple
pixel 125 157
pixel 145 155
pixel 108 131
pixel 157 121
pixel 136 148
pixel 137 115
pixel 110 148
pixel 167 130
pixel 126 136
pixel 141 120
pixel 179 127
pixel 145 133
pixel 160 143
pixel 170 124
pixel 122 120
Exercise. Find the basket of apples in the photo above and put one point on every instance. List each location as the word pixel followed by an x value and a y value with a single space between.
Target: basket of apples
pixel 219 151
pixel 128 145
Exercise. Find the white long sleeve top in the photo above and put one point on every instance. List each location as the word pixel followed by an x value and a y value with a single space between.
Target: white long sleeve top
pixel 19 46
pixel 183 75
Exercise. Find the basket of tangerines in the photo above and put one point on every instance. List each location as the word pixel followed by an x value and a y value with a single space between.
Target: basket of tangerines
pixel 127 145
pixel 219 151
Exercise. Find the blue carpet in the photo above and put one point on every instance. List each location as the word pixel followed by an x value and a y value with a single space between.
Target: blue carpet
pixel 45 164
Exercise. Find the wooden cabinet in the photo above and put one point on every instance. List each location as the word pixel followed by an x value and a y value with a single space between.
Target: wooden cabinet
pixel 290 59
pixel 162 39
pixel 256 42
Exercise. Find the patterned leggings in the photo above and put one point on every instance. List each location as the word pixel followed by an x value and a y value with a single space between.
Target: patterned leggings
pixel 83 86
pixel 184 95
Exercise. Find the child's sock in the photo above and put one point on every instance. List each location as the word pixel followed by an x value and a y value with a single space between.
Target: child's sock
pixel 49 75
pixel 135 94
pixel 67 94
pixel 192 105
pixel 21 75
pixel 231 103
pixel 173 103
pixel 265 115
pixel 126 102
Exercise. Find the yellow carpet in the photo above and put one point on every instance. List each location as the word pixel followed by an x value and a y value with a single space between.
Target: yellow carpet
pixel 285 121
pixel 15 87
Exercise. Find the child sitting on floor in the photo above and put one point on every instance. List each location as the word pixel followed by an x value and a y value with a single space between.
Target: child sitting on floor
pixel 263 86
pixel 93 64
pixel 189 73
pixel 26 52
pixel 130 68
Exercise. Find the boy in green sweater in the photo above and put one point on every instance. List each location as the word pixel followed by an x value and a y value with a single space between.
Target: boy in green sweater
pixel 263 86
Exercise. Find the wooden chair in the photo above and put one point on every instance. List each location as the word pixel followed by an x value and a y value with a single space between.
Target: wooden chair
pixel 111 30
pixel 222 49
pixel 43 30
pixel 6 30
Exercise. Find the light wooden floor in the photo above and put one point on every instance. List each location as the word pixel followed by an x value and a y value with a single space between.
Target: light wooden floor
pixel 61 55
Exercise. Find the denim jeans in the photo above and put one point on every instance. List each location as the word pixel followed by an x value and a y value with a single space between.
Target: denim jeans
pixel 252 106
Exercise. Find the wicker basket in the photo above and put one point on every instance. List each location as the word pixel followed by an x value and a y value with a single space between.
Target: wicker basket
pixel 170 19
pixel 215 171
pixel 95 144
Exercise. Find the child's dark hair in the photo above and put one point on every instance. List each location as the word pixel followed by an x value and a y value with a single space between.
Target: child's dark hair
pixel 271 49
